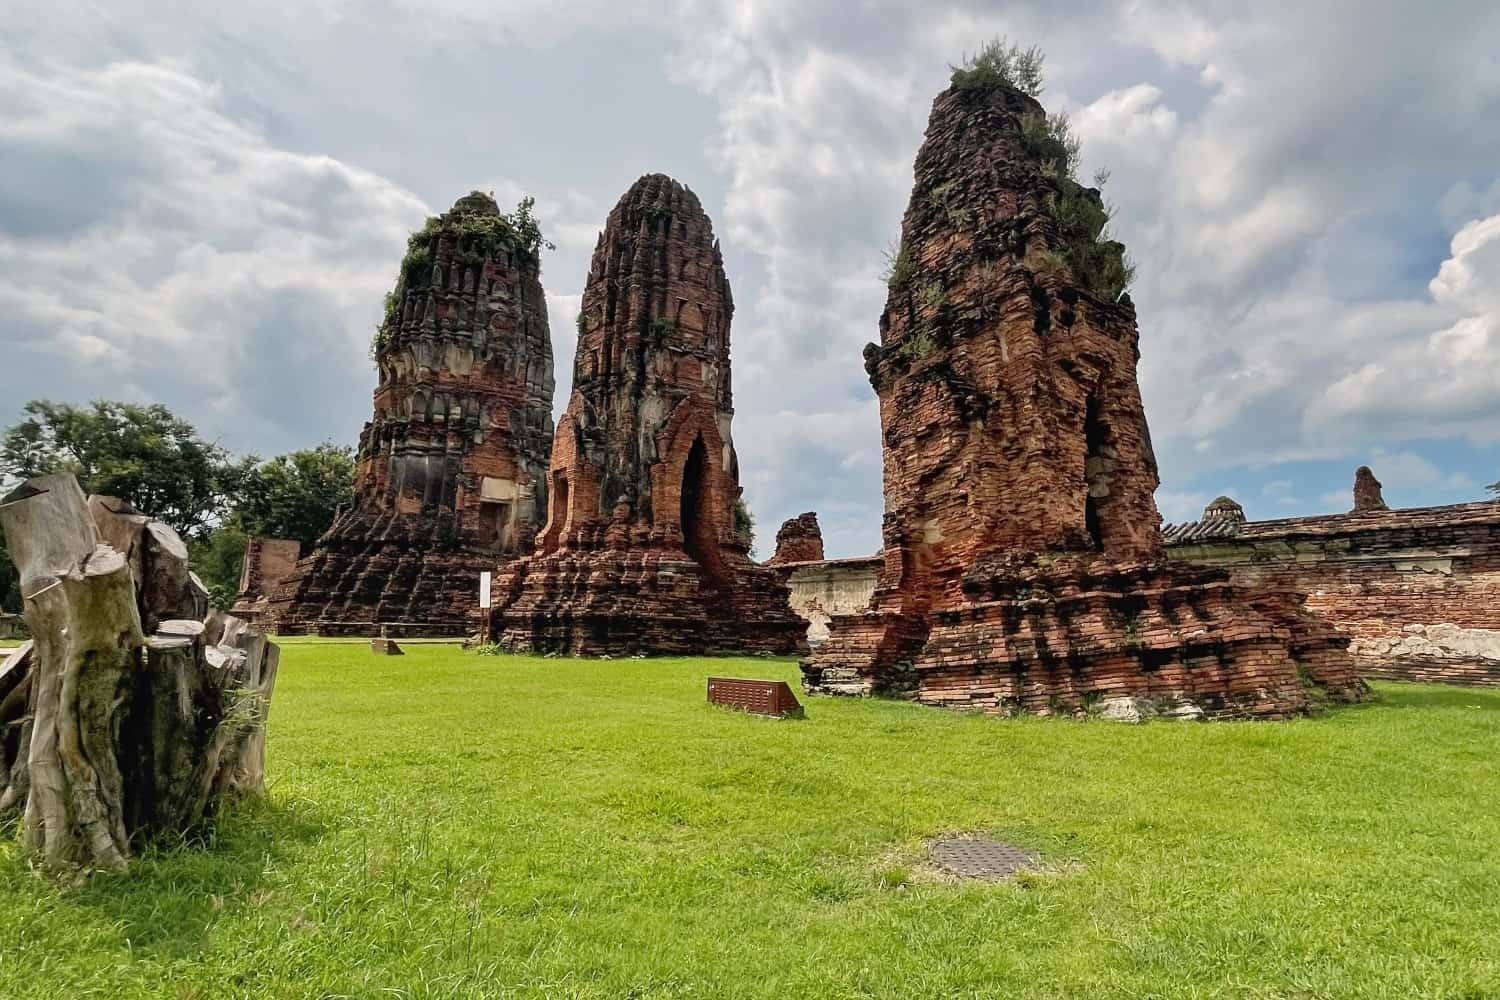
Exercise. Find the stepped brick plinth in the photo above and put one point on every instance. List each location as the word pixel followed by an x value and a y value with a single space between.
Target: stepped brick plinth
pixel 451 476
pixel 642 551
pixel 1022 567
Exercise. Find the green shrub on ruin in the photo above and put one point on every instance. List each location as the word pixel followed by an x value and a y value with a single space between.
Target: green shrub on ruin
pixel 999 64
pixel 899 267
pixel 479 230
pixel 917 345
pixel 1098 262
pixel 1050 139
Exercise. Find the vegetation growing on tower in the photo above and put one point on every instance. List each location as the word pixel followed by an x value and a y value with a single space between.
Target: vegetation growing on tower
pixel 1097 261
pixel 479 230
pixel 1000 64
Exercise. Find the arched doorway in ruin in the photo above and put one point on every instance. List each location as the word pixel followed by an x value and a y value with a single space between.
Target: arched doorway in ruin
pixel 700 530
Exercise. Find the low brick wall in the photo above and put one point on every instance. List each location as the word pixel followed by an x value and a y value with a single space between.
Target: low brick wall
pixel 1417 589
pixel 827 587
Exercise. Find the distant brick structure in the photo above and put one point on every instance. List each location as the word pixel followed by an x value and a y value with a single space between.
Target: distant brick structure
pixel 268 561
pixel 799 540
pixel 452 466
pixel 1418 589
pixel 1023 560
pixel 1367 494
pixel 641 552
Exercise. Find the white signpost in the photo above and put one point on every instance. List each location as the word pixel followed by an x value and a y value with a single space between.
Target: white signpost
pixel 484 605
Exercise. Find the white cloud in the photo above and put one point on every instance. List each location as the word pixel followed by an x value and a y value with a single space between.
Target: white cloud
pixel 1431 383
pixel 222 273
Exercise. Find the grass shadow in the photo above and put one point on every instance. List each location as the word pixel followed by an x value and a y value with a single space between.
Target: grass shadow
pixel 172 892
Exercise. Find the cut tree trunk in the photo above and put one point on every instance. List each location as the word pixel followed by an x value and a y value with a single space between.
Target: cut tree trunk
pixel 112 733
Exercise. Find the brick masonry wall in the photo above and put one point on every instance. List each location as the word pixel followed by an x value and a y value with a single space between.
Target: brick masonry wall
pixel 799 539
pixel 825 588
pixel 1418 589
pixel 268 561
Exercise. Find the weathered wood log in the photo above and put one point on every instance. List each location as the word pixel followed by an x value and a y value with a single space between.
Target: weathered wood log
pixel 87 631
pixel 15 727
pixel 121 527
pixel 111 733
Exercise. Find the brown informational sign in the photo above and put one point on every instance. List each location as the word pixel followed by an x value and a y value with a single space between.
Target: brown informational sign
pixel 760 697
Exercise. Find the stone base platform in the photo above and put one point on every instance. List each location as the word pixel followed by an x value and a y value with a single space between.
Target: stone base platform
pixel 625 602
pixel 353 589
pixel 1067 635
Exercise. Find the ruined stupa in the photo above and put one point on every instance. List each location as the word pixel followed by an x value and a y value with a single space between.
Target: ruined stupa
pixel 1023 565
pixel 1367 491
pixel 451 475
pixel 642 550
pixel 800 539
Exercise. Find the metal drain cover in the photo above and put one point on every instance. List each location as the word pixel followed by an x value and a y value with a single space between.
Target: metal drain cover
pixel 972 857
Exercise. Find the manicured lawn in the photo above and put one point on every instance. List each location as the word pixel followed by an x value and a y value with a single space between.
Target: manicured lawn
pixel 449 825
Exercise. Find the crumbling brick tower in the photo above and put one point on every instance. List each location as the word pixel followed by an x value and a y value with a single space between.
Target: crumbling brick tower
pixel 641 550
pixel 452 467
pixel 1022 561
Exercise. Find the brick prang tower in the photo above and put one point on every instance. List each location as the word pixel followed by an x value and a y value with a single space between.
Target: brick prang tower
pixel 643 549
pixel 452 465
pixel 1022 564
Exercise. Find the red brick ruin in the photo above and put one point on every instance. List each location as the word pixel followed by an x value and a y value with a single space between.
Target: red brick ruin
pixel 1367 494
pixel 1417 588
pixel 268 561
pixel 641 551
pixel 799 540
pixel 451 476
pixel 1022 566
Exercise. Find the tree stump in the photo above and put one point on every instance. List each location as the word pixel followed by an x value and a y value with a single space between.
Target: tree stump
pixel 134 710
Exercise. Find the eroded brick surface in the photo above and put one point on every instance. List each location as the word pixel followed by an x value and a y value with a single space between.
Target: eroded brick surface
pixel 451 477
pixel 800 539
pixel 640 551
pixel 1022 564
pixel 1367 495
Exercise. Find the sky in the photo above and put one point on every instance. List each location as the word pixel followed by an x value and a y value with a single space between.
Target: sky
pixel 203 205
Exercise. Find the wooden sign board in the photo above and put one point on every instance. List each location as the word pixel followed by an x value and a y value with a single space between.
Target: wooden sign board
pixel 757 696
pixel 484 589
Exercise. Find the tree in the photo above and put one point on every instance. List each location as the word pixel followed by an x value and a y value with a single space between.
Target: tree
pixel 290 496
pixel 144 455
pixel 218 558
pixel 296 495
pixel 10 582
pixel 1494 487
pixel 744 523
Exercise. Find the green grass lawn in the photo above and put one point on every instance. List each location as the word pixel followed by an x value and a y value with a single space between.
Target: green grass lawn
pixel 450 825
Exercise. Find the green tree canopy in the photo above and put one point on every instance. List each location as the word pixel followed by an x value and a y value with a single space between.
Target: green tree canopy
pixel 10 581
pixel 150 458
pixel 144 455
pixel 295 495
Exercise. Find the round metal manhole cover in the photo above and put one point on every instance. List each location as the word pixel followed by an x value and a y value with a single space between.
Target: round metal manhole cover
pixel 972 857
